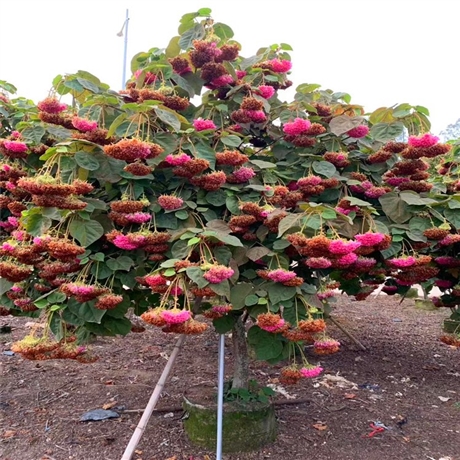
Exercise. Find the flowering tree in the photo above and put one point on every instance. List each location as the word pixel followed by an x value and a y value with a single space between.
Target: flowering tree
pixel 243 209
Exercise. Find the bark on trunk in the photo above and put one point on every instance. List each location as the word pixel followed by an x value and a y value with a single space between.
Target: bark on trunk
pixel 240 356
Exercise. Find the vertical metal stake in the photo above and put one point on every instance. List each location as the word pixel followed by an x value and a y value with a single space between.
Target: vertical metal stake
pixel 125 50
pixel 220 397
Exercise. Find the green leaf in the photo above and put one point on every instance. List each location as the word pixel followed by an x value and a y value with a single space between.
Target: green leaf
pixel 223 31
pixel 90 86
pixel 395 208
pixel 217 198
pixel 207 153
pixel 224 238
pixel 231 140
pixel 415 199
pixel 251 300
pixel 120 263
pixel 266 345
pixel 110 168
pixel 110 326
pixel 238 294
pixel 85 232
pixel 453 216
pixel 180 250
pixel 224 324
pixel 263 164
pixel 169 117
pixel 35 222
pixel 223 288
pixel 343 123
pixel 196 275
pixel 33 134
pixel 197 32
pixel 222 255
pixel 291 220
pixel 167 221
pixel 324 168
pixel 5 286
pixel 257 253
pixel 87 161
pixel 85 311
pixel 384 132
pixel 277 292
pixel 167 140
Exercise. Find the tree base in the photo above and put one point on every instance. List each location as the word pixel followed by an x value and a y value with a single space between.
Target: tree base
pixel 246 426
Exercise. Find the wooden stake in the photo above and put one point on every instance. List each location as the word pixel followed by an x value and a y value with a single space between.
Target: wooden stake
pixel 140 429
pixel 348 334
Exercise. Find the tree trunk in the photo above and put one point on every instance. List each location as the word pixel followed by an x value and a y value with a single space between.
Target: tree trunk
pixel 240 356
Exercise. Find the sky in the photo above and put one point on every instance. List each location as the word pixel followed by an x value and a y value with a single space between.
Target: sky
pixel 381 52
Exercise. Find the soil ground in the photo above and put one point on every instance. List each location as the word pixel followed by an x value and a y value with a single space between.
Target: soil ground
pixel 406 379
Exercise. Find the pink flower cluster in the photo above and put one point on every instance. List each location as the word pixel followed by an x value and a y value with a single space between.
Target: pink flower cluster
pixel 83 124
pixel 266 91
pixel 280 275
pixel 149 76
pixel 129 242
pixel 170 202
pixel 178 160
pixel 309 181
pixel 223 80
pixel 296 127
pixel 201 125
pixel 318 262
pixel 343 247
pixel 138 217
pixel 80 289
pixel 424 141
pixel 155 280
pixel 280 65
pixel 15 146
pixel 218 273
pixel 369 238
pixel 347 259
pixel 310 372
pixel 358 132
pixel 243 174
pixel 175 316
pixel 273 328
pixel 8 247
pixel 401 262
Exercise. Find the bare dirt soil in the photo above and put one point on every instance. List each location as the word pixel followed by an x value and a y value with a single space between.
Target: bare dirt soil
pixel 406 379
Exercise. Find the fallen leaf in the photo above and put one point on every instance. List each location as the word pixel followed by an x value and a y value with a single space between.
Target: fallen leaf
pixel 443 398
pixel 321 426
pixel 138 452
pixel 9 433
pixel 109 406
pixel 349 396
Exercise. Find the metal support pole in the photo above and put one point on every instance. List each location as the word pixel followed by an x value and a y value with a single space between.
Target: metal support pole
pixel 220 397
pixel 125 50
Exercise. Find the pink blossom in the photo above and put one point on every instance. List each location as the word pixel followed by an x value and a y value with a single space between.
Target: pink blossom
pixel 444 284
pixel 51 105
pixel 10 186
pixel 276 327
pixel 257 116
pixel 375 192
pixel 348 210
pixel 19 235
pixel 365 263
pixel 325 295
pixel 170 202
pixel 39 240
pixel 83 124
pixel 401 262
pixel 8 247
pixel 369 238
pixel 149 76
pixel 450 239
pixel 318 262
pixel 241 73
pixel 201 125
pixel 15 146
pixel 16 288
pixel 396 181
pixel 13 221
pixel 280 275
pixel 80 289
pixel 155 280
pixel 325 344
pixel 280 65
pixel 138 217
pixel 424 140
pixel 176 291
pixel 447 261
pixel 221 309
pixel 243 174
pixel 6 168
pixel 296 127
pixel 175 316
pixel 223 80
pixel 127 242
pixel 309 181
pixel 311 372
pixel 218 273
pixel 358 132
pixel 347 259
pixel 343 247
pixel 15 134
pixel 266 91
pixel 178 160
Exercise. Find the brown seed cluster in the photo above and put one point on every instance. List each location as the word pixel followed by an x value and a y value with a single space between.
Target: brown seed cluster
pixel 231 158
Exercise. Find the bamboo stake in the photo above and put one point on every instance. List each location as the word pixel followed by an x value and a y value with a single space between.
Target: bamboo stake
pixel 140 429
pixel 348 333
